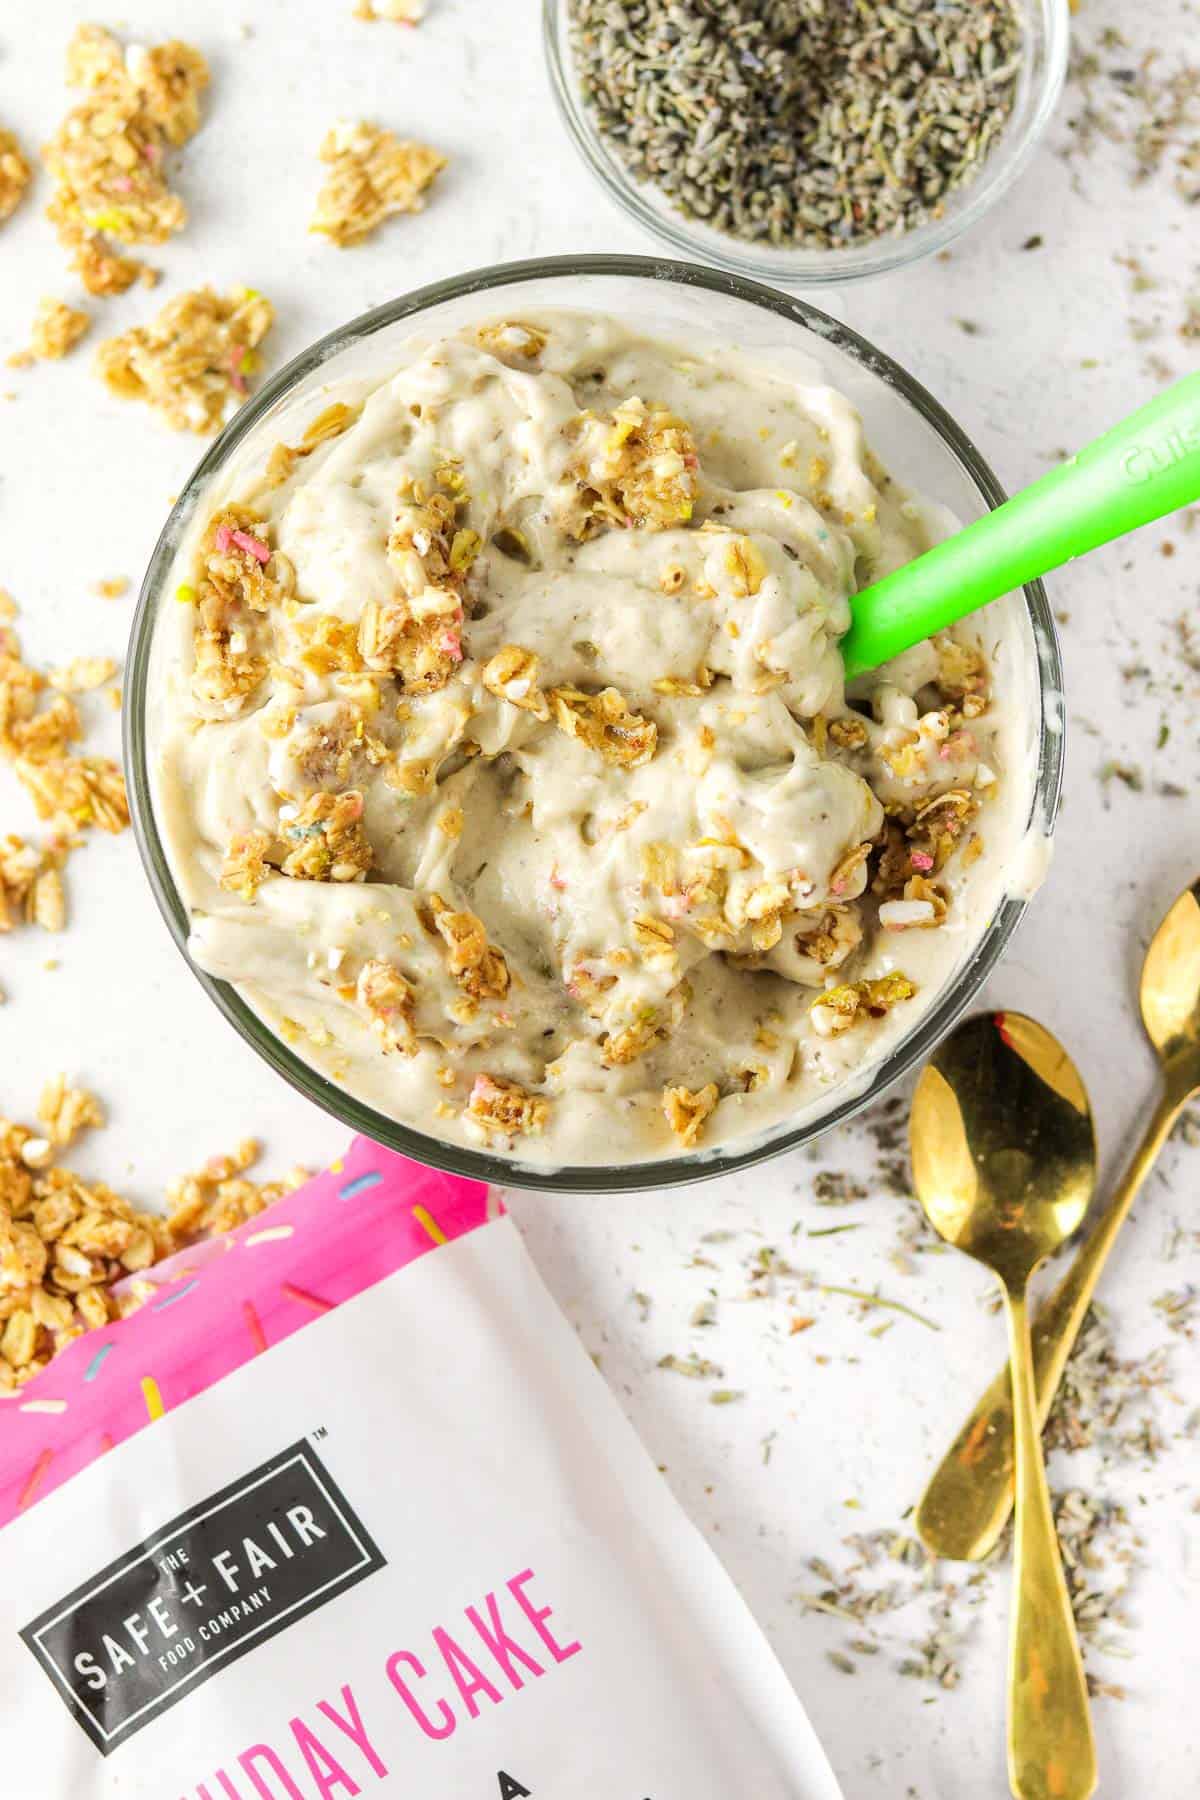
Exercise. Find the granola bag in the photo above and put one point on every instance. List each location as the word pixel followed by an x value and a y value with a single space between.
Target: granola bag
pixel 345 1509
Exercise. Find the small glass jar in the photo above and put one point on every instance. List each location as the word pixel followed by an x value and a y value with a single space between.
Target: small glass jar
pixel 1045 44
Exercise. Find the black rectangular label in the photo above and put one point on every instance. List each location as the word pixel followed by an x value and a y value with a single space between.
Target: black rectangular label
pixel 214 1583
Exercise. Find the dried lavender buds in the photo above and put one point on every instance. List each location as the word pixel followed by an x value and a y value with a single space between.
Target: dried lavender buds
pixel 797 123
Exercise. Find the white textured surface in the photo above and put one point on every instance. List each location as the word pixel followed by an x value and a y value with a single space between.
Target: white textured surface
pixel 84 485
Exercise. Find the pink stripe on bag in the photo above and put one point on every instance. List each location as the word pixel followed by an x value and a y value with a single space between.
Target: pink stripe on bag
pixel 222 1303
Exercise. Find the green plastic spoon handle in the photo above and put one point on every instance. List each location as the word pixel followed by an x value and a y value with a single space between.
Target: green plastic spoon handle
pixel 1147 466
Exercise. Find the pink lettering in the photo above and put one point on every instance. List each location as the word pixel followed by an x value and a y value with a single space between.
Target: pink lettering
pixel 537 1616
pixel 502 1647
pixel 329 1776
pixel 354 1729
pixel 460 1666
pixel 410 1700
pixel 264 1753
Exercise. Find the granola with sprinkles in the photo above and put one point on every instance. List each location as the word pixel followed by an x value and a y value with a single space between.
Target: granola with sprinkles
pixel 66 1242
pixel 372 176
pixel 508 763
pixel 109 157
pixel 193 361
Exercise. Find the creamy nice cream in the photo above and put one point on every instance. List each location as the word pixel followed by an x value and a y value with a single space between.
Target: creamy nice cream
pixel 506 767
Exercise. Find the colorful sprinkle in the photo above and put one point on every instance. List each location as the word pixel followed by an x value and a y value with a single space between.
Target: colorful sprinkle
pixel 429 1224
pixel 152 1397
pixel 254 1327
pixel 269 1237
pixel 35 1475
pixel 251 545
pixel 336 1167
pixel 44 1406
pixel 303 1298
pixel 179 1294
pixel 97 1362
pixel 360 1184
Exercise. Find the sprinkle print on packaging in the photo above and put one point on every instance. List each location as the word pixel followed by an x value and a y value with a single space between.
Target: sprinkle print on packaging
pixel 346 1508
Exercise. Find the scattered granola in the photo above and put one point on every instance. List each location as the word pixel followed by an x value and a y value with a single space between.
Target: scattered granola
pixel 57 328
pixel 66 1111
pixel 372 176
pixel 219 1196
pixel 108 157
pixel 31 885
pixel 15 174
pixel 113 587
pixel 192 360
pixel 72 791
pixel 65 1241
pixel 82 674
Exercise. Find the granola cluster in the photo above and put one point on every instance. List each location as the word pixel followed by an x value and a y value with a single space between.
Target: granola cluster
pixel 372 175
pixel 15 174
pixel 193 360
pixel 838 1009
pixel 64 1240
pixel 238 580
pixel 108 157
pixel 322 840
pixel 636 467
pixel 605 724
pixel 686 1111
pixel 31 885
pixel 478 966
pixel 57 328
pixel 40 726
pixel 506 1108
pixel 387 998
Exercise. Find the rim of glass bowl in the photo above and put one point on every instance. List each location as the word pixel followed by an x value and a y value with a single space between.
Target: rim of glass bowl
pixel 814 268
pixel 480 1164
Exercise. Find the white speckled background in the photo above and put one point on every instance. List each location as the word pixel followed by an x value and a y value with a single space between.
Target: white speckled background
pixel 1033 351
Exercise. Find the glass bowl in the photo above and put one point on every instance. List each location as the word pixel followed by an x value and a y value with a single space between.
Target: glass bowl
pixel 1046 43
pixel 908 429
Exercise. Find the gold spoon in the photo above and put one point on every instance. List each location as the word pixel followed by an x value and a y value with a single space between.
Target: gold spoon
pixel 1004 1160
pixel 969 1497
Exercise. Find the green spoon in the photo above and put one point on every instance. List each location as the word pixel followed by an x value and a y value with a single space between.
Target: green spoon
pixel 1147 466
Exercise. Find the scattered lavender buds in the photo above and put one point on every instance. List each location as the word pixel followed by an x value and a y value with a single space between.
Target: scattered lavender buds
pixel 813 124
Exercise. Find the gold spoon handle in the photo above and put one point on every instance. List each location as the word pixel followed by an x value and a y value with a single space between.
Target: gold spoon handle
pixel 1051 1755
pixel 969 1497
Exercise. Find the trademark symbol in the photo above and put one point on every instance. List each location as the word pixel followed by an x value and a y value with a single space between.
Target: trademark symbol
pixel 318 1434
